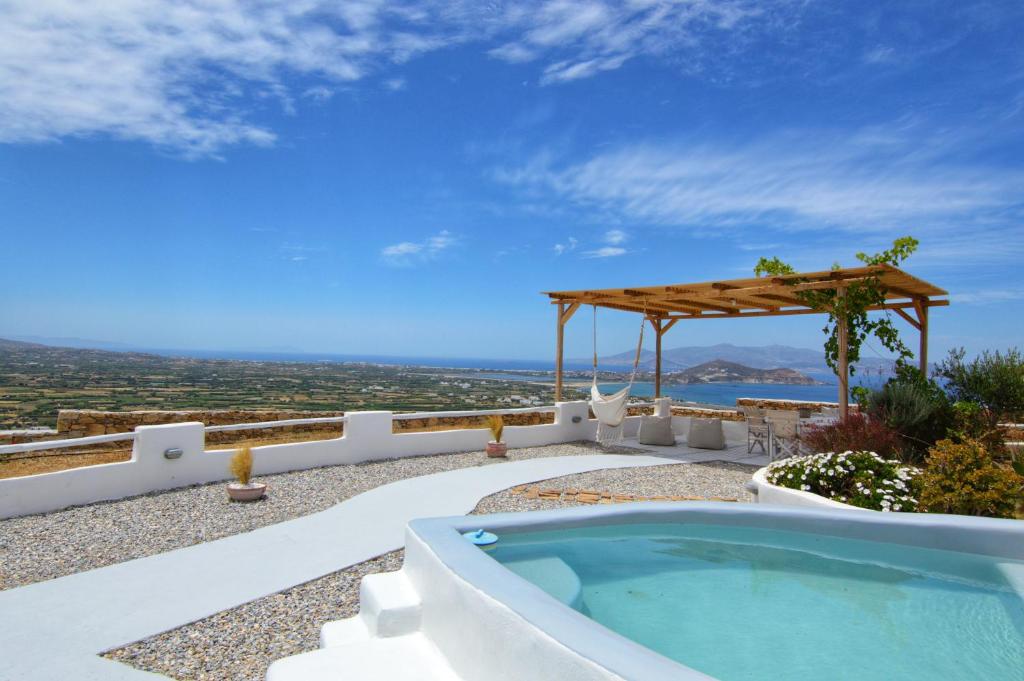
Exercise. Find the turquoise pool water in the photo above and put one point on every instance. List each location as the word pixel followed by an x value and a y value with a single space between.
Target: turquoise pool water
pixel 745 604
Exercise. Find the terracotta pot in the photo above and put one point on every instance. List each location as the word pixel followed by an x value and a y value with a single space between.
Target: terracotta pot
pixel 496 450
pixel 251 492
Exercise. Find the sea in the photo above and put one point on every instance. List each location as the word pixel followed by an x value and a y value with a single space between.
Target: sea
pixel 504 369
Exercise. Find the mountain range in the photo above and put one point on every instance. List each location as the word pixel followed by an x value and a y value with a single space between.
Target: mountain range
pixel 720 371
pixel 756 356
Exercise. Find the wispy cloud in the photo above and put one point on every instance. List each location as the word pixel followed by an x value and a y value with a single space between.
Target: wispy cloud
pixel 569 245
pixel 318 93
pixel 988 296
pixel 871 182
pixel 182 75
pixel 407 253
pixel 605 252
pixel 582 39
pixel 615 237
pixel 178 74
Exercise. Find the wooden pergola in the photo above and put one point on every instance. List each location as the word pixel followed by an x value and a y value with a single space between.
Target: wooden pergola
pixel 664 306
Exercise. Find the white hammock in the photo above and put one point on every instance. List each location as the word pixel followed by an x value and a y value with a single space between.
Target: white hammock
pixel 610 410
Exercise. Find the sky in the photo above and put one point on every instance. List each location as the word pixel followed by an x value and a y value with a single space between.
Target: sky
pixel 405 178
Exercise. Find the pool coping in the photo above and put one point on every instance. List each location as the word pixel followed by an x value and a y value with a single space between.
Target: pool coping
pixel 625 658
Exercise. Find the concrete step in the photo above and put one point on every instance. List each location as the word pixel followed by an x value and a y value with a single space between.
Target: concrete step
pixel 344 632
pixel 398 658
pixel 389 605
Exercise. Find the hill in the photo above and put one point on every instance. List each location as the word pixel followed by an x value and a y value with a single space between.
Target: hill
pixel 753 356
pixel 721 371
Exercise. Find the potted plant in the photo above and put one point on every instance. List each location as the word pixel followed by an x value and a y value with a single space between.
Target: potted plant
pixel 241 468
pixel 496 448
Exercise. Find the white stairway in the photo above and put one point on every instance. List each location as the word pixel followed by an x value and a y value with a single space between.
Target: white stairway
pixel 381 642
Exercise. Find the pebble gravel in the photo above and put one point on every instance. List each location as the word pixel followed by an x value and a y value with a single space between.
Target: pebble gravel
pixel 239 644
pixel 45 546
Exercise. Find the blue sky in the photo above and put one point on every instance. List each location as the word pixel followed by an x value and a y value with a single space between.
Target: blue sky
pixel 404 178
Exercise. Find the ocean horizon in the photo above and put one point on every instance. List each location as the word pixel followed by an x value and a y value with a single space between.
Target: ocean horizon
pixel 720 394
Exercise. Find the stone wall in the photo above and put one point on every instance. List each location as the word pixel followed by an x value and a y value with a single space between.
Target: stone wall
pixel 456 422
pixel 16 437
pixel 788 405
pixel 73 423
pixel 724 414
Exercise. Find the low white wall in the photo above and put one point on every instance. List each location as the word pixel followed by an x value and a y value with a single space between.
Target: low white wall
pixel 367 436
pixel 767 493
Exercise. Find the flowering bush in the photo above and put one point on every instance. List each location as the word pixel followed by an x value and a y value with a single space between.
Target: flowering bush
pixel 964 479
pixel 861 479
pixel 857 433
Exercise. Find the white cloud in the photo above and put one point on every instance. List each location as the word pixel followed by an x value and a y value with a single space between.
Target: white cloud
pixel 318 93
pixel 987 296
pixel 585 38
pixel 408 253
pixel 615 237
pixel 872 183
pixel 177 74
pixel 880 54
pixel 605 252
pixel 188 76
pixel 394 84
pixel 569 245
pixel 400 249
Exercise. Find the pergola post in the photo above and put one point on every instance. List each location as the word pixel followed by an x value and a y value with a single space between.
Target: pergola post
pixel 842 332
pixel 657 357
pixel 921 307
pixel 564 315
pixel 661 325
pixel 559 342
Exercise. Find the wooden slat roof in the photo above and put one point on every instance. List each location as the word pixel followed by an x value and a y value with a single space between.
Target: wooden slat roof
pixel 754 296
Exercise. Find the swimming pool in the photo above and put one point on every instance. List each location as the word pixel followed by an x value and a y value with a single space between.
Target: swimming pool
pixel 689 592
pixel 741 603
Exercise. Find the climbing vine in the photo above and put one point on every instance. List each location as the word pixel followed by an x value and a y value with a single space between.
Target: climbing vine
pixel 860 297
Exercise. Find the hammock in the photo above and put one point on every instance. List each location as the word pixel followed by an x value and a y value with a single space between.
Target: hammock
pixel 610 410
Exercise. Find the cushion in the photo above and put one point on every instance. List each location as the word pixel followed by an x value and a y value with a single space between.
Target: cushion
pixel 706 434
pixel 656 430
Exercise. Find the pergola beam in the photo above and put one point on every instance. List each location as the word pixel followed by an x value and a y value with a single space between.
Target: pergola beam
pixel 663 306
pixel 785 313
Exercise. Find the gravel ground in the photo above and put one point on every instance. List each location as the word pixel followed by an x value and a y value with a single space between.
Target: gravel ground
pixel 239 644
pixel 39 547
pixel 715 479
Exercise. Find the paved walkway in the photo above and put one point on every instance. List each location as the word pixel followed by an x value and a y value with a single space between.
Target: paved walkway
pixel 55 629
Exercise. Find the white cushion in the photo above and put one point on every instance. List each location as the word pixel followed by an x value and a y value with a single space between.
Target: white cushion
pixel 656 430
pixel 706 434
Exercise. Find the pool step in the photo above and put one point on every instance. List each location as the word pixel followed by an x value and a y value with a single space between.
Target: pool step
pixel 411 657
pixel 388 606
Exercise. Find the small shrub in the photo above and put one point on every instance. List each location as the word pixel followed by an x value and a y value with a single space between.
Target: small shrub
pixel 963 478
pixel 971 421
pixel 241 465
pixel 496 424
pixel 857 433
pixel 993 380
pixel 914 407
pixel 862 479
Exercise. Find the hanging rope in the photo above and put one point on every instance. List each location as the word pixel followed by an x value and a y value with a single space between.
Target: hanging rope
pixel 610 410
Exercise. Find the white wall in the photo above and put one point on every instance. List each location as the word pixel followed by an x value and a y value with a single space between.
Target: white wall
pixel 367 436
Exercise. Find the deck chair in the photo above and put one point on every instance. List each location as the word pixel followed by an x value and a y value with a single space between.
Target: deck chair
pixel 784 437
pixel 758 431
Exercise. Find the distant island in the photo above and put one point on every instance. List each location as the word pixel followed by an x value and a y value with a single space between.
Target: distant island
pixel 721 371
